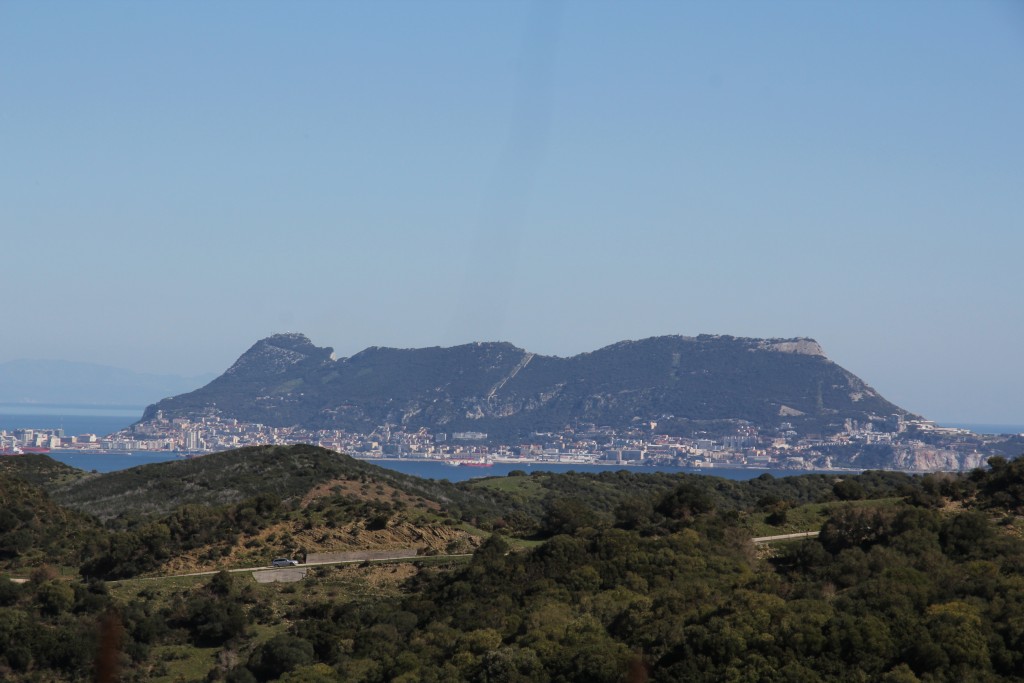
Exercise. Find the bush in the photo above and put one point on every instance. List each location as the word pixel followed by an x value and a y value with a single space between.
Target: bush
pixel 279 655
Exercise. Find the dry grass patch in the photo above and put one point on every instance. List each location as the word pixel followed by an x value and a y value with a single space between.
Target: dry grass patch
pixel 390 576
pixel 355 536
pixel 368 491
pixel 257 550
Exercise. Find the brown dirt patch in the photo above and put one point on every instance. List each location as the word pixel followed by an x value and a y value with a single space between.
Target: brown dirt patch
pixel 355 536
pixel 370 491
pixel 439 538
pixel 389 576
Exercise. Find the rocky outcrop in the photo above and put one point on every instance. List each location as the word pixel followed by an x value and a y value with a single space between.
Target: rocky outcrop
pixel 807 347
pixel 277 354
pixel 920 457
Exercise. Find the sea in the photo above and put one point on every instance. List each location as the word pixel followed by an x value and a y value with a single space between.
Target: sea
pixel 985 428
pixel 73 419
pixel 77 419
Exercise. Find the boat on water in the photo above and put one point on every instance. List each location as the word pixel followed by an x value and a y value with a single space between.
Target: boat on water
pixel 469 463
pixel 24 450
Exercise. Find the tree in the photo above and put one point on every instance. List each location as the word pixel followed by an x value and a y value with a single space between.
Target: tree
pixel 279 655
pixel 213 621
pixel 568 515
pixel 848 489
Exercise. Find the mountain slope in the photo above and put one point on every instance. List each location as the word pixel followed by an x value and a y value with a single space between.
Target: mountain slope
pixel 41 470
pixel 34 530
pixel 242 507
pixel 285 380
pixel 288 472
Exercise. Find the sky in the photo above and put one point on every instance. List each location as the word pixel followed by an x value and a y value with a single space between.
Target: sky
pixel 180 179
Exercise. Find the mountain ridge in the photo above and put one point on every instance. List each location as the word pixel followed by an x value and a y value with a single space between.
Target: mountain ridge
pixel 506 391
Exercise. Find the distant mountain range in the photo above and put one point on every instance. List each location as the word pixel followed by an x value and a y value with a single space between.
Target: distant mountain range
pixel 683 383
pixel 68 383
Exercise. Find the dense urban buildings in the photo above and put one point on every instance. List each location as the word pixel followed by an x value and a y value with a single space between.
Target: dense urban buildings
pixel 914 444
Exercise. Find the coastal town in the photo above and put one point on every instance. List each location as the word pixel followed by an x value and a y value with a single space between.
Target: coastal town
pixel 914 445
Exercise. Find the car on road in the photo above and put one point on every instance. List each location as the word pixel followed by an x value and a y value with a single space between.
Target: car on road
pixel 283 562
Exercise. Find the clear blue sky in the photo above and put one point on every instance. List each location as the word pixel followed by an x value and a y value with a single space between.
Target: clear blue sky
pixel 180 179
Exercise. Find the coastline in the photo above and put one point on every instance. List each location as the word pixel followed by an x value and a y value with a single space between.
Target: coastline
pixel 566 463
pixel 447 462
pixel 166 456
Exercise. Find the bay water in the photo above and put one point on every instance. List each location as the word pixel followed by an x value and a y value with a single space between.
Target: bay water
pixel 77 420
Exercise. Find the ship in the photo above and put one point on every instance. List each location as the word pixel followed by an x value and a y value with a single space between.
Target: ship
pixel 24 450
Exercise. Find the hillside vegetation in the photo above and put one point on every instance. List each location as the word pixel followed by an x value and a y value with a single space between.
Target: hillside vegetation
pixel 893 593
pixel 34 530
pixel 42 471
pixel 240 507
pixel 609 577
pixel 288 472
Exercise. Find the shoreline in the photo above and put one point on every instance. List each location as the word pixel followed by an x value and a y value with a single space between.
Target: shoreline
pixel 436 461
pixel 631 465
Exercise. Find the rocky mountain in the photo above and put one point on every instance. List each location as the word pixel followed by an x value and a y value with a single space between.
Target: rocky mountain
pixel 683 383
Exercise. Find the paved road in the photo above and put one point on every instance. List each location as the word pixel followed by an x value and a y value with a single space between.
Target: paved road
pixel 785 537
pixel 303 567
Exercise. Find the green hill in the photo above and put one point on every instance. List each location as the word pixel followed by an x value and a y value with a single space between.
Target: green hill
pixel 42 470
pixel 215 479
pixel 238 508
pixel 891 591
pixel 34 530
pixel 604 577
pixel 288 472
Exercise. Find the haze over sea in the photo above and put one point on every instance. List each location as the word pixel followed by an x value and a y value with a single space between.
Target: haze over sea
pixel 102 420
pixel 73 419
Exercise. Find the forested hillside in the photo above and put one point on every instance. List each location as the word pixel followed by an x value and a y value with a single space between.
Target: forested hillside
pixel 609 577
pixel 34 530
pixel 897 593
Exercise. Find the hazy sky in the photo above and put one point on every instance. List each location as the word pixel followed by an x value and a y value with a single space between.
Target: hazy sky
pixel 179 179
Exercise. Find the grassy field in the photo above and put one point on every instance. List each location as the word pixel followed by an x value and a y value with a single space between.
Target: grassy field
pixel 172 663
pixel 527 487
pixel 808 517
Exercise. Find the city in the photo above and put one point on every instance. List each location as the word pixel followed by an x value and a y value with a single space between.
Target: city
pixel 917 445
